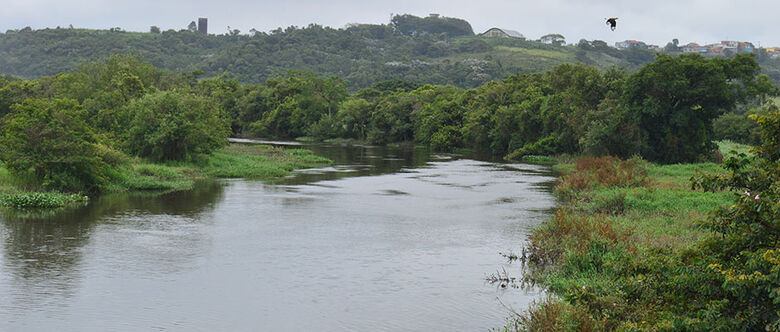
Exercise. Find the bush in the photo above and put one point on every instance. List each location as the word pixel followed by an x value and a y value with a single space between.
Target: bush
pixel 49 142
pixel 743 255
pixel 175 126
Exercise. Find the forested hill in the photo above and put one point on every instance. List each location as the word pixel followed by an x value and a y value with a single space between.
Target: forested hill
pixel 437 50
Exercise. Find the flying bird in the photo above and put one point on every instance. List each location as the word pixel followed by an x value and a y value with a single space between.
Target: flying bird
pixel 612 22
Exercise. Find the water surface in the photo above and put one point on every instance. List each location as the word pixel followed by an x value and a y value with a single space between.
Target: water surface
pixel 384 240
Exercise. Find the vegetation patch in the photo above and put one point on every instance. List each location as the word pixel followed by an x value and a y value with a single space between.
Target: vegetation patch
pixel 639 246
pixel 544 160
pixel 259 161
pixel 31 200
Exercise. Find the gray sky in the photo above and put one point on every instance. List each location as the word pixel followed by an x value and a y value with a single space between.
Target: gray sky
pixel 655 22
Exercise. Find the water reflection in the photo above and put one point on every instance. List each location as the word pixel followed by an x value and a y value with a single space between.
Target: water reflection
pixel 42 258
pixel 360 160
pixel 384 239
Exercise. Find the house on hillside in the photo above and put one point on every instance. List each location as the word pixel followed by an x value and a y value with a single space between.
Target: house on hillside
pixel 772 51
pixel 503 33
pixel 693 48
pixel 719 49
pixel 626 44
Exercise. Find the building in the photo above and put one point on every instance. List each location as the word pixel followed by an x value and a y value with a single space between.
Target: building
pixel 503 33
pixel 203 25
pixel 772 51
pixel 626 44
pixel 693 48
pixel 719 49
pixel 738 46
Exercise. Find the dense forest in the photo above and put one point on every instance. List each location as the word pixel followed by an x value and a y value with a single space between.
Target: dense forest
pixel 66 131
pixel 429 50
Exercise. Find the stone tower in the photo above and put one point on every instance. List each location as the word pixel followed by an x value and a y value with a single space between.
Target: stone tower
pixel 203 25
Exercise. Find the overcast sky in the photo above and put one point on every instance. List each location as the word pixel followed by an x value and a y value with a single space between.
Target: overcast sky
pixel 655 22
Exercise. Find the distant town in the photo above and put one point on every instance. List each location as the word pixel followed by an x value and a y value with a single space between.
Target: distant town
pixel 724 48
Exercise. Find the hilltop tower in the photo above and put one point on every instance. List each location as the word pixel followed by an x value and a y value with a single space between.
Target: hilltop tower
pixel 203 25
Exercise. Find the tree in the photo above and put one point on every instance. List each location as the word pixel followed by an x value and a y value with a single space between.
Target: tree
pixel 192 27
pixel 411 25
pixel 353 116
pixel 553 38
pixel 298 100
pixel 675 99
pixel 171 125
pixel 49 142
pixel 154 29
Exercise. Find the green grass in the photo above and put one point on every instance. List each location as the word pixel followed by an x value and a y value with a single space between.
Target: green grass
pixel 259 161
pixel 728 148
pixel 233 161
pixel 544 160
pixel 607 238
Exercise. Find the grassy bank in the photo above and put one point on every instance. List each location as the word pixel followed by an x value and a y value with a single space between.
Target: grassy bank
pixel 234 161
pixel 618 253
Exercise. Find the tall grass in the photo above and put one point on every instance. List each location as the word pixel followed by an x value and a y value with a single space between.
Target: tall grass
pixel 616 229
pixel 258 161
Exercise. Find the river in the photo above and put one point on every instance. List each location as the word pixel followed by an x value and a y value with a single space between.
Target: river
pixel 386 239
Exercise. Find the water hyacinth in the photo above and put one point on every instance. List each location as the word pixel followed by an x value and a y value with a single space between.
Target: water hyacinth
pixel 40 200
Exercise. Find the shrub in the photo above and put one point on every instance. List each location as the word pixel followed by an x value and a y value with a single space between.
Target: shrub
pixel 49 142
pixel 743 255
pixel 175 126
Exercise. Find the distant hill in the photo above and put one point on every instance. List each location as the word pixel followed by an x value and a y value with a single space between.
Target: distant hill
pixel 433 49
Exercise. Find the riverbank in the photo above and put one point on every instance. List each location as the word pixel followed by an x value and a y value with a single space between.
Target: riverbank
pixel 619 251
pixel 234 161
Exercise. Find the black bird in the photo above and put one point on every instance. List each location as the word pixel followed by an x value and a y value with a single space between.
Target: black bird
pixel 612 22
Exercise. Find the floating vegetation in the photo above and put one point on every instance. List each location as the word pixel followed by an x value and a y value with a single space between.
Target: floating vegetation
pixel 35 200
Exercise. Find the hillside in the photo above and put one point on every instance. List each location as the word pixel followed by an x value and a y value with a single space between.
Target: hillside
pixel 425 50
pixel 360 54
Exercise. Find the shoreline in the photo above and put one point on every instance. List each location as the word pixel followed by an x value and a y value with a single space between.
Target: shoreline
pixel 235 160
pixel 614 218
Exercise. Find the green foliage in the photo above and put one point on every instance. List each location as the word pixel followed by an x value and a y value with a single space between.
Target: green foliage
pixel 15 92
pixel 50 142
pixel 396 85
pixel 637 257
pixel 353 118
pixel 252 161
pixel 296 101
pixel 743 257
pixel 45 200
pixel 173 125
pixel 411 25
pixel 737 127
pixel 155 177
pixel 437 116
pixel 675 99
pixel 390 120
pixel 361 54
